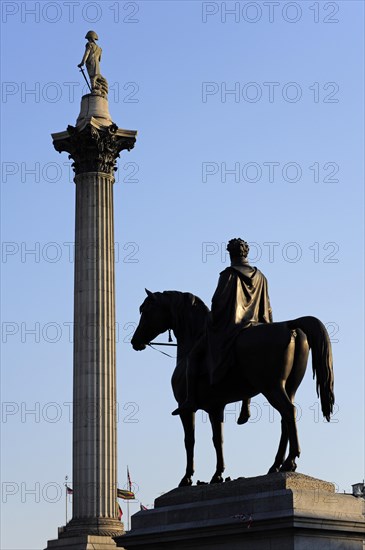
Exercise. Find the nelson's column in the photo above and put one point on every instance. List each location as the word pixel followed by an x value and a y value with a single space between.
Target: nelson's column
pixel 94 145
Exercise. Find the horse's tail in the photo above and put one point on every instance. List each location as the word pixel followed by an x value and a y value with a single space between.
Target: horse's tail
pixel 322 364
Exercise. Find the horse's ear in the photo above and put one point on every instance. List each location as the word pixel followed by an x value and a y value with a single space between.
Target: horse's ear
pixel 149 293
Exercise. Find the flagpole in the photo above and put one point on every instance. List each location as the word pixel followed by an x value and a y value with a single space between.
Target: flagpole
pixel 129 485
pixel 66 478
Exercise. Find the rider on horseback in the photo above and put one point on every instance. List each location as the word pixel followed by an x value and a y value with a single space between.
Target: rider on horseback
pixel 240 301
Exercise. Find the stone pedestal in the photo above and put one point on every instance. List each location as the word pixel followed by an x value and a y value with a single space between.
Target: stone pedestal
pixel 94 145
pixel 82 542
pixel 94 106
pixel 284 511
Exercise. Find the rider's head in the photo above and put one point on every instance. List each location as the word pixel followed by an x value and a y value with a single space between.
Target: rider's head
pixel 91 35
pixel 238 249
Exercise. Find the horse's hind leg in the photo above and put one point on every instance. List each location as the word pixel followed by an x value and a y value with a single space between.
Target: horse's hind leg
pixel 291 386
pixel 280 455
pixel 299 366
pixel 188 422
pixel 216 420
pixel 278 398
pixel 294 381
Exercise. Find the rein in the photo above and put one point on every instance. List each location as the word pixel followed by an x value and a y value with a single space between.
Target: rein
pixel 160 344
pixel 151 344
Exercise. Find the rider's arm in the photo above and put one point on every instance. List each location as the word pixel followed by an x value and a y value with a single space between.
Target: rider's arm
pixel 269 306
pixel 86 55
pixel 270 315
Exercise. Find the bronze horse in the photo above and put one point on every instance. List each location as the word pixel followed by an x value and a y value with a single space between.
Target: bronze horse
pixel 270 359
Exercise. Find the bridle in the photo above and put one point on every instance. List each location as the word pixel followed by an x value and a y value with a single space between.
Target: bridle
pixel 151 344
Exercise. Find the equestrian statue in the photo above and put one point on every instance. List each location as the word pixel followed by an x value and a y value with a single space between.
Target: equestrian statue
pixel 235 352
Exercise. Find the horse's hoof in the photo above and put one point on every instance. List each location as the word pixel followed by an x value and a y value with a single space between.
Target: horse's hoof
pixel 185 482
pixel 289 465
pixel 274 469
pixel 216 479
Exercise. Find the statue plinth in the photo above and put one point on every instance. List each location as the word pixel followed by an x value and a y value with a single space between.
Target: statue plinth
pixel 284 511
pixel 96 106
pixel 94 144
pixel 82 542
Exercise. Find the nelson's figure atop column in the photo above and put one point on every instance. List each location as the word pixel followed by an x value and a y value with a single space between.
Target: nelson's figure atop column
pixel 91 59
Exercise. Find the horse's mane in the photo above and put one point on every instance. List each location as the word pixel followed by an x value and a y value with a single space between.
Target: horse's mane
pixel 188 312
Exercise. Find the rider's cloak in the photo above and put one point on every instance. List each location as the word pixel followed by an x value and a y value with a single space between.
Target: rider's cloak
pixel 240 301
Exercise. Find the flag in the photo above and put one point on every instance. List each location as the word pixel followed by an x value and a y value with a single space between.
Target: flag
pixel 69 491
pixel 125 495
pixel 120 512
pixel 129 480
pixel 142 507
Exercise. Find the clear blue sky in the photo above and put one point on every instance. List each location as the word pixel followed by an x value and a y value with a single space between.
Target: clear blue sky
pixel 292 131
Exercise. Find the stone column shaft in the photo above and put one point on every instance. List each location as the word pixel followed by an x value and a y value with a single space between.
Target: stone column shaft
pixel 94 426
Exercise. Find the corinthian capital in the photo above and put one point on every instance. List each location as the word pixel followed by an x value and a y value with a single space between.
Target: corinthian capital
pixel 93 147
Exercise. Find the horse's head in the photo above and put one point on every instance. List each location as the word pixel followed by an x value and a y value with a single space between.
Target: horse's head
pixel 154 320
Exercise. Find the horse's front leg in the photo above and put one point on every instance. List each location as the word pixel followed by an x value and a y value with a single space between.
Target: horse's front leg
pixel 188 422
pixel 216 420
